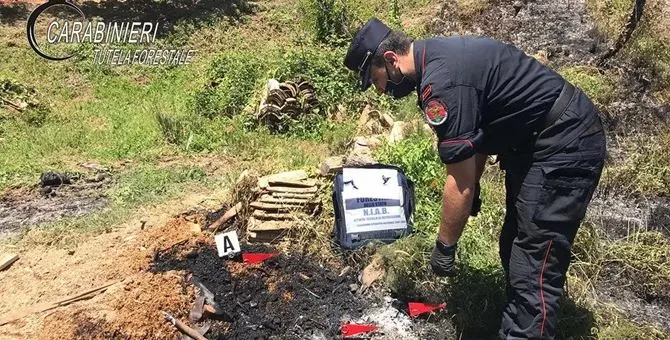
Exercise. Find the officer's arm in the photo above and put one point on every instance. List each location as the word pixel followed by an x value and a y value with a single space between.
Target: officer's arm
pixel 457 200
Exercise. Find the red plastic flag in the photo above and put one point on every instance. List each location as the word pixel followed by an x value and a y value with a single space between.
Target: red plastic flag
pixel 349 329
pixel 418 308
pixel 257 257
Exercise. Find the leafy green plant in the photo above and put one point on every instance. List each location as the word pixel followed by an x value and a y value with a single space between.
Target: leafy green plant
pixel 231 80
pixel 328 20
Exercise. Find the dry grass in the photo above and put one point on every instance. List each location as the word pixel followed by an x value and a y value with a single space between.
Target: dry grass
pixel 469 8
pixel 642 170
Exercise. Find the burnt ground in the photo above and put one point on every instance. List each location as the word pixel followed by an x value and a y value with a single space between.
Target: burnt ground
pixel 25 207
pixel 290 296
pixel 567 33
pixel 286 296
pixel 563 33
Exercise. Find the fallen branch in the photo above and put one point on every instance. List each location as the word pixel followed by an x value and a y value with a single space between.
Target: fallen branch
pixel 43 307
pixel 182 327
pixel 226 216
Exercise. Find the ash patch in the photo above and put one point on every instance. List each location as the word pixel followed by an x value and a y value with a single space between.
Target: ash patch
pixel 286 297
pixel 654 312
pixel 561 28
pixel 25 207
pixel 618 218
pixel 392 317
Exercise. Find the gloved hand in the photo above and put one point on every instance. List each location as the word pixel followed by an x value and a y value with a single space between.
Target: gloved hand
pixel 476 201
pixel 443 259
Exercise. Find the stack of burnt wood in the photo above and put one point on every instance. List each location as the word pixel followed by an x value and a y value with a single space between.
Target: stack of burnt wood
pixel 286 199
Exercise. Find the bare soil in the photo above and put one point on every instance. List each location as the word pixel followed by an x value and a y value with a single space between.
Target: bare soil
pixel 49 273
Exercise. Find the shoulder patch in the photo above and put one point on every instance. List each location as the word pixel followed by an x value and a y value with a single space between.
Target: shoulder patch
pixel 435 112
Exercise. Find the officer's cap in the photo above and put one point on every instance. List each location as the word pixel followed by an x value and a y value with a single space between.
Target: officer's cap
pixel 363 48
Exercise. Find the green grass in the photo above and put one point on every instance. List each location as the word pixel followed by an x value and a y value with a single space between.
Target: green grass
pixel 596 85
pixel 645 169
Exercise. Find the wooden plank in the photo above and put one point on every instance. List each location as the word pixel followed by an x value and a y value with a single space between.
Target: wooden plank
pixel 292 190
pixel 226 216
pixel 295 175
pixel 7 260
pixel 306 183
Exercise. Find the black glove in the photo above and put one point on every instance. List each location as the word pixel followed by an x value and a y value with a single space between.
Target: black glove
pixel 476 201
pixel 443 259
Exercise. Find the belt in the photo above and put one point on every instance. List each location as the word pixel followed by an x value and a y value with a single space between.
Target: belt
pixel 560 105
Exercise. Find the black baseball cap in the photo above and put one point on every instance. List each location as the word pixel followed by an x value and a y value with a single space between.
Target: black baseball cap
pixel 363 48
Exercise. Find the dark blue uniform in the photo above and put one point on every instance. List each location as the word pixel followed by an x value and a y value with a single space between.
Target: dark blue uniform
pixel 484 96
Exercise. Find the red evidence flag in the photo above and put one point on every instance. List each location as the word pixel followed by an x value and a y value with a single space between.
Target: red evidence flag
pixel 349 329
pixel 257 257
pixel 418 308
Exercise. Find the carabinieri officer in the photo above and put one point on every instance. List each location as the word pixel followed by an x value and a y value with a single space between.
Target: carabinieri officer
pixel 484 97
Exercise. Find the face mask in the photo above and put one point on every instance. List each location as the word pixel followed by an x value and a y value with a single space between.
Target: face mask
pixel 400 89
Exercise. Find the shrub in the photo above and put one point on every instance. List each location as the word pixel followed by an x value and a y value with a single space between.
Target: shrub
pixel 231 80
pixel 328 20
pixel 334 83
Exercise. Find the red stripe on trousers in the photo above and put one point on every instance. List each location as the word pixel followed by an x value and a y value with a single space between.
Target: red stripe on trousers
pixel 544 306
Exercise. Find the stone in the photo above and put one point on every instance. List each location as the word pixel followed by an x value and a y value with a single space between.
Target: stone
pixel 358 160
pixel 331 165
pixel 353 287
pixel 364 118
pixel 397 132
pixel 296 175
pixel 194 228
pixel 387 120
